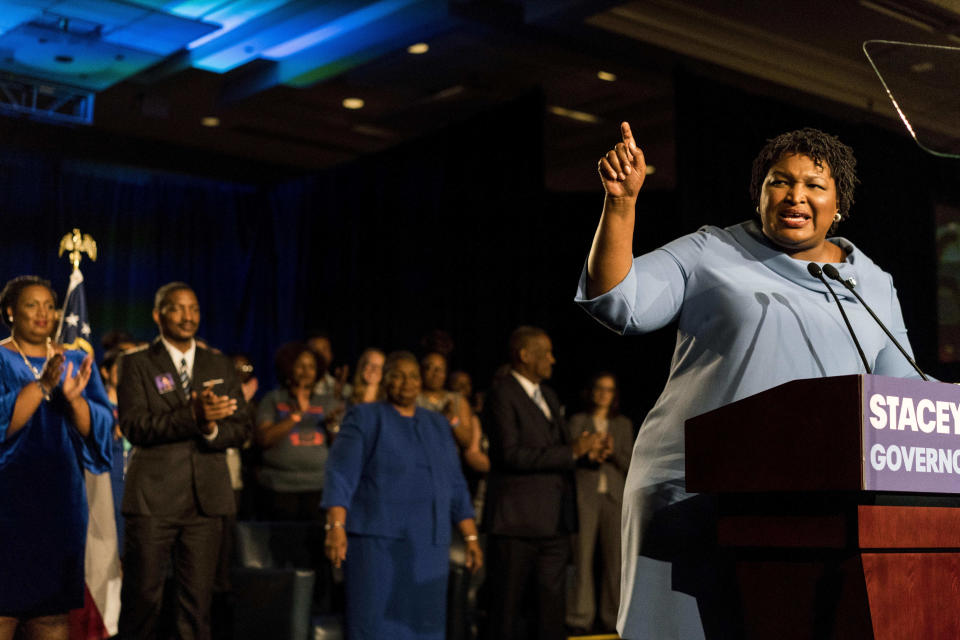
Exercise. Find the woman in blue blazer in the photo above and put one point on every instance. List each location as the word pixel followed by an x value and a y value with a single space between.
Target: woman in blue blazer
pixel 392 491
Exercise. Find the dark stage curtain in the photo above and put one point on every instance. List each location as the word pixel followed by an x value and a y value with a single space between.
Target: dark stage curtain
pixel 442 232
pixel 151 228
pixel 453 230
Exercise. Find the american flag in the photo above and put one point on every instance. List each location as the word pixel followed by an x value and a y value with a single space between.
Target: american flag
pixel 74 329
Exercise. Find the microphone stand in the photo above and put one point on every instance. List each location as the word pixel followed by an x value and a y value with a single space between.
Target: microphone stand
pixel 832 272
pixel 817 272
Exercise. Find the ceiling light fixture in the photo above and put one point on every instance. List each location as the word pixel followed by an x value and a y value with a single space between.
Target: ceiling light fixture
pixel 572 114
pixel 418 48
pixel 449 92
pixel 353 103
pixel 607 76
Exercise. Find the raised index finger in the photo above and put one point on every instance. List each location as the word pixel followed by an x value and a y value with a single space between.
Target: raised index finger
pixel 627 135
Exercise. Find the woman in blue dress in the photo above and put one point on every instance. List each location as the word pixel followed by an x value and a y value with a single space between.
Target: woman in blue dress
pixel 749 317
pixel 54 422
pixel 393 489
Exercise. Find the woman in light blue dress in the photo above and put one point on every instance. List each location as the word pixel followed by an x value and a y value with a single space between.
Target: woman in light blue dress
pixel 750 317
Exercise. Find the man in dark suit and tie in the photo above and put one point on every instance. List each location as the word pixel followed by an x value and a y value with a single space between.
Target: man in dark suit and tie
pixel 531 507
pixel 180 405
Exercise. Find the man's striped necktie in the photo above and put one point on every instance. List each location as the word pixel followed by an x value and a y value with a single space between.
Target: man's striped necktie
pixel 184 375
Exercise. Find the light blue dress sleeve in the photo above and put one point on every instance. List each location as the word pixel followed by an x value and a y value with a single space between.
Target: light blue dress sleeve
pixel 652 293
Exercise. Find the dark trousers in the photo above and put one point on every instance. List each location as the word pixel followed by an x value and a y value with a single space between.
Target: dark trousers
pixel 303 506
pixel 517 569
pixel 193 545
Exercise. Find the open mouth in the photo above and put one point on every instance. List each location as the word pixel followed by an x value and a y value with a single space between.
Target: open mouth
pixel 794 217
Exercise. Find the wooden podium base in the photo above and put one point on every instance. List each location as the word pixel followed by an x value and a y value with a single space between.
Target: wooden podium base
pixel 866 572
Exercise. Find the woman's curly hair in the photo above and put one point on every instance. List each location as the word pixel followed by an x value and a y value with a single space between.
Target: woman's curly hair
pixel 287 356
pixel 823 149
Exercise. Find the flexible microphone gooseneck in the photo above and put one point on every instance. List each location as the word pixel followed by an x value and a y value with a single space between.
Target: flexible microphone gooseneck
pixel 832 273
pixel 816 272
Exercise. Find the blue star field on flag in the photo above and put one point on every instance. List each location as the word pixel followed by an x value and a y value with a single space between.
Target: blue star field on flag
pixel 74 330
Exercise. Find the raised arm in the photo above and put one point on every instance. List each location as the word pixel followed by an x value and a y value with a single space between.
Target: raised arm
pixel 29 397
pixel 622 171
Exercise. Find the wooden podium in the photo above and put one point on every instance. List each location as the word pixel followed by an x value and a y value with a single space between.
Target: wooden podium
pixel 829 539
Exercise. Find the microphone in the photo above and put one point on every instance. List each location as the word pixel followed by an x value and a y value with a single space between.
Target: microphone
pixel 832 273
pixel 816 272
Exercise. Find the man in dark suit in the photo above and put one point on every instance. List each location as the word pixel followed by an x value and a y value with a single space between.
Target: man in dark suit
pixel 531 507
pixel 181 406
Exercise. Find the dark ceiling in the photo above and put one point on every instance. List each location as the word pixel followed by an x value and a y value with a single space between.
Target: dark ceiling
pixel 485 53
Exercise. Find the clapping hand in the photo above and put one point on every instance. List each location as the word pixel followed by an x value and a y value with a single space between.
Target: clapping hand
pixel 217 407
pixel 73 385
pixel 602 449
pixel 585 444
pixel 623 169
pixel 210 407
pixel 52 370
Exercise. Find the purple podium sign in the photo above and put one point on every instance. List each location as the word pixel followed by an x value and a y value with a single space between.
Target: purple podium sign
pixel 911 435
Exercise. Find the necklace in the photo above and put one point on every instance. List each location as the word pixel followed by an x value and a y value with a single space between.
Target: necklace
pixel 36 373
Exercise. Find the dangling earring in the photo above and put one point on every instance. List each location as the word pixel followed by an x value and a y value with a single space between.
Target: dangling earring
pixel 836 217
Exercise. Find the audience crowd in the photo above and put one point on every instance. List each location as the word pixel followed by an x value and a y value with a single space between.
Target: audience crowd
pixel 411 471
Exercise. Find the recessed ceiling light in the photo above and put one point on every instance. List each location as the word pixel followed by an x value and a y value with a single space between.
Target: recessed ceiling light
pixel 449 92
pixel 417 49
pixel 606 75
pixel 353 103
pixel 210 121
pixel 375 132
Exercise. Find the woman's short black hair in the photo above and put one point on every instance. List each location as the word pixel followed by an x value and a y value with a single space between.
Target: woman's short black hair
pixel 287 356
pixel 10 295
pixel 822 148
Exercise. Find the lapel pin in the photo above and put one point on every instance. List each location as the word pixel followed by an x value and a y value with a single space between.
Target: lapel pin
pixel 164 383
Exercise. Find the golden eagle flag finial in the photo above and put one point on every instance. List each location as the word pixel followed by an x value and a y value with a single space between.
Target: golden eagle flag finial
pixel 77 245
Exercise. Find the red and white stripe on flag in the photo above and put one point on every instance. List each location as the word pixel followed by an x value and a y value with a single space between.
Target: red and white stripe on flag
pixel 98 619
